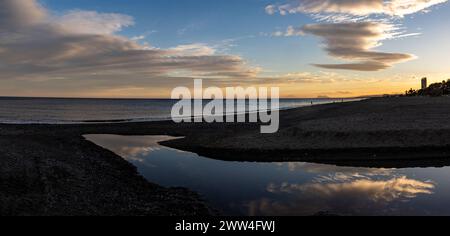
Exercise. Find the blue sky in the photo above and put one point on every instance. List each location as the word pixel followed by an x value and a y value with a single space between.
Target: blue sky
pixel 168 23
pixel 400 46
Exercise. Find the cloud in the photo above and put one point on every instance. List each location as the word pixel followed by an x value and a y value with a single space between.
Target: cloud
pixel 20 13
pixel 364 66
pixel 84 44
pixel 354 28
pixel 309 78
pixel 196 49
pixel 355 42
pixel 271 9
pixel 91 22
pixel 138 38
pixel 290 32
pixel 397 8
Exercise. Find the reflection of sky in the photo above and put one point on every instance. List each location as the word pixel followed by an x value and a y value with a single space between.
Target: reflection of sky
pixel 132 148
pixel 287 188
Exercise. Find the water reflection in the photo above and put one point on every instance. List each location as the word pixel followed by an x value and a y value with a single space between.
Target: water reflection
pixel 365 196
pixel 287 188
pixel 133 148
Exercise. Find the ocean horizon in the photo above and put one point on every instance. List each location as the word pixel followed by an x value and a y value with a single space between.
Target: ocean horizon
pixel 37 110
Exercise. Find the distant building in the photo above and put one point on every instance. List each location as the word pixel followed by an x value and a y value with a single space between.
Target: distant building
pixel 424 83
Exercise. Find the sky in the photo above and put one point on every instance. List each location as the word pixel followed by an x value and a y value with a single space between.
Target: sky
pixel 144 49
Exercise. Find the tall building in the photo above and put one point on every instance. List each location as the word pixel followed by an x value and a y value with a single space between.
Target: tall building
pixel 424 83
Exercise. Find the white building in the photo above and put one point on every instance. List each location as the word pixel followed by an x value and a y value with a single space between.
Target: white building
pixel 424 83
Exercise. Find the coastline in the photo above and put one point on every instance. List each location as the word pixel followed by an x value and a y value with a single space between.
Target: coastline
pixel 45 168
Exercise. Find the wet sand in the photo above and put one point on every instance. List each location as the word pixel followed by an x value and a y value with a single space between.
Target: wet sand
pixel 53 170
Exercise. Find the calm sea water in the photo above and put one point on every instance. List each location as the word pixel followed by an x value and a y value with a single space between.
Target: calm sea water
pixel 51 110
pixel 296 188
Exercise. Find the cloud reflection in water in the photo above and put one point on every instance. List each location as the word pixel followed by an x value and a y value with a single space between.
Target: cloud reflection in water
pixel 350 194
pixel 286 188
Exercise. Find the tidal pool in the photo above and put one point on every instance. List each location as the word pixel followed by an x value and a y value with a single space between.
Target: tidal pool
pixel 286 188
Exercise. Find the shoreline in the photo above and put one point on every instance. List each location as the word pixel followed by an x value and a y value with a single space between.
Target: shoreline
pixel 126 120
pixel 44 168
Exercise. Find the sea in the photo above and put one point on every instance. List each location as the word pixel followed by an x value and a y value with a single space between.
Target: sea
pixel 17 110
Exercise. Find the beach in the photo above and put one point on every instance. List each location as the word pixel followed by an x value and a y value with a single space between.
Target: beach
pixel 53 170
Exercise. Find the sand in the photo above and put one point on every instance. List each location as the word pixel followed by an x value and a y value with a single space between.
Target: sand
pixel 53 170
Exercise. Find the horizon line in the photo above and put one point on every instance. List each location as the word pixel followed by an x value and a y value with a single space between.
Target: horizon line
pixel 156 98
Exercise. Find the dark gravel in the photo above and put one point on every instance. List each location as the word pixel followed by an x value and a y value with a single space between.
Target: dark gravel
pixel 53 170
